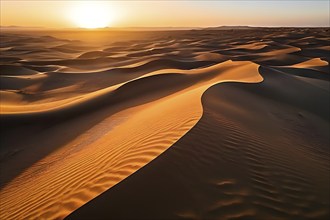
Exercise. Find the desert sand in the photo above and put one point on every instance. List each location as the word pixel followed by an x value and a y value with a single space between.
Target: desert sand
pixel 198 124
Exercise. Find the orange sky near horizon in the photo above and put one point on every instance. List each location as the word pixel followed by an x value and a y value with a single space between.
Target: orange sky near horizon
pixel 59 14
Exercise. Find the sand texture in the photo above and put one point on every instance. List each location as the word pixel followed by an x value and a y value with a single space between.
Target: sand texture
pixel 200 124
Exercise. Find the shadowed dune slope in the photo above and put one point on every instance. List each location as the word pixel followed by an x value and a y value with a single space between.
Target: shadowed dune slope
pixel 260 151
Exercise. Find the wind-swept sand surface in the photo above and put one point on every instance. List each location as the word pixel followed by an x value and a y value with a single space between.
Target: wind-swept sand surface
pixel 201 124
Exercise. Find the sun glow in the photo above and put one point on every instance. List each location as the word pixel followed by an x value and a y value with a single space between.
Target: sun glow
pixel 91 15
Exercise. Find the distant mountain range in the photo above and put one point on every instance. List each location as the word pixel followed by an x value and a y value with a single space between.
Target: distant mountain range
pixel 19 27
pixel 229 28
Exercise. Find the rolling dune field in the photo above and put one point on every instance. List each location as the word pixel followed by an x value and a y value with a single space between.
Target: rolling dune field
pixel 194 124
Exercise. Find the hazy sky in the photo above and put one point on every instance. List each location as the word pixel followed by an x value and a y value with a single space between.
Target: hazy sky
pixel 171 13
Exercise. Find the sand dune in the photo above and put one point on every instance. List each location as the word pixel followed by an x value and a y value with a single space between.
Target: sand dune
pixel 207 124
pixel 225 167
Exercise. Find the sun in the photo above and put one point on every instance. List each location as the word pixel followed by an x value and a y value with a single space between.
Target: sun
pixel 91 15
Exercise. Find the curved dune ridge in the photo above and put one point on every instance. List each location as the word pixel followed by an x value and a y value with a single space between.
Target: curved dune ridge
pixel 226 167
pixel 90 115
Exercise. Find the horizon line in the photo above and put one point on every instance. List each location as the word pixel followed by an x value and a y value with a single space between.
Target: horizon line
pixel 154 27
